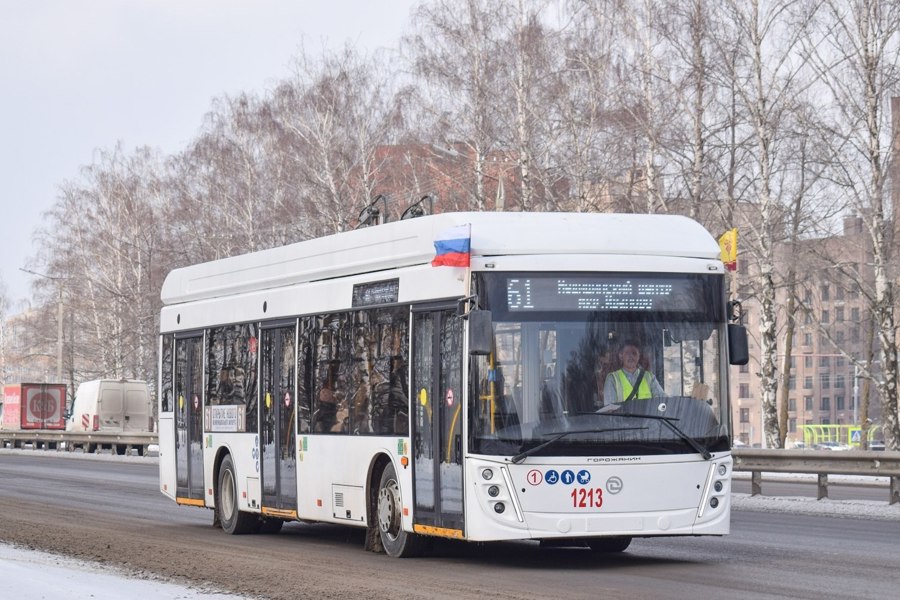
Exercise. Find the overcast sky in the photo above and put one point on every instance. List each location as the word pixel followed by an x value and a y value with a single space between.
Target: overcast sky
pixel 81 75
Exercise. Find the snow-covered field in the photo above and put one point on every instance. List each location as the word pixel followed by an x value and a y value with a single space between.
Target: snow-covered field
pixel 37 575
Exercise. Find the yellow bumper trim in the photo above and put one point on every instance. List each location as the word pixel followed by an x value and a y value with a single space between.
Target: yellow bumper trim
pixel 456 534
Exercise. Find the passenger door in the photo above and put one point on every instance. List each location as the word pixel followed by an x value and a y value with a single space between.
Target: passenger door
pixel 278 413
pixel 437 426
pixel 188 420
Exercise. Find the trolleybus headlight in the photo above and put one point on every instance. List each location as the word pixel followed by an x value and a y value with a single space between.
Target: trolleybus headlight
pixel 487 474
pixel 714 502
pixel 718 486
pixel 722 470
pixel 499 508
pixel 494 491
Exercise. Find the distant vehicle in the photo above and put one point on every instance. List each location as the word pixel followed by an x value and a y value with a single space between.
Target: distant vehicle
pixel 112 405
pixel 877 445
pixel 831 446
pixel 799 446
pixel 33 406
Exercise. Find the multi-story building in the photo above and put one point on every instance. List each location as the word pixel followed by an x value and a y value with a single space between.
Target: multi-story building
pixel 831 327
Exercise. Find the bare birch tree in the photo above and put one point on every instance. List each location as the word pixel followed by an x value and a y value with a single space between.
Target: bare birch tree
pixel 454 52
pixel 585 153
pixel 858 61
pixel 767 35
pixel 102 250
pixel 4 342
pixel 688 31
pixel 330 118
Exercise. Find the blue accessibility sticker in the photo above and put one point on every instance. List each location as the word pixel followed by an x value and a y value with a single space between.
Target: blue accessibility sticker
pixel 568 477
pixel 584 477
pixel 551 476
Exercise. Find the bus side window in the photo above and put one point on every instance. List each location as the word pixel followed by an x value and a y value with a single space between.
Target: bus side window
pixel 305 386
pixel 330 409
pixel 165 392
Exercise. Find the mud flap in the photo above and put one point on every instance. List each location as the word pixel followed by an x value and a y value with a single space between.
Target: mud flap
pixel 373 541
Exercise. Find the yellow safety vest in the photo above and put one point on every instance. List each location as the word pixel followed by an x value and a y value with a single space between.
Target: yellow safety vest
pixel 624 387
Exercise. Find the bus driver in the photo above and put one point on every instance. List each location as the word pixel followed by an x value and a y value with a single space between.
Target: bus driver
pixel 631 381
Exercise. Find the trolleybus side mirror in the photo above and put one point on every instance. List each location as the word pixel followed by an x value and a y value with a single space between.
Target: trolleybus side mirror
pixel 481 332
pixel 738 352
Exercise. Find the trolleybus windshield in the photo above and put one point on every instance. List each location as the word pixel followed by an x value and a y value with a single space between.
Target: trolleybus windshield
pixel 559 353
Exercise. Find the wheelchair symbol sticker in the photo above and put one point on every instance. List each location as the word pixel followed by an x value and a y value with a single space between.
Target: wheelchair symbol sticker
pixel 551 476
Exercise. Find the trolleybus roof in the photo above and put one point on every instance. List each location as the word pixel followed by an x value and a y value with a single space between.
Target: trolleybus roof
pixel 411 242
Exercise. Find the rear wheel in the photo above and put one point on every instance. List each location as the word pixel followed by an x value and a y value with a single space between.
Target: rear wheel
pixel 610 544
pixel 232 519
pixel 396 542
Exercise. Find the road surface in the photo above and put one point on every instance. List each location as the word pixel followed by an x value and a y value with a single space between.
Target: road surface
pixel 112 513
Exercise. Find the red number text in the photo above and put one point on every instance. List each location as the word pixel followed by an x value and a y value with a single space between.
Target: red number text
pixel 587 497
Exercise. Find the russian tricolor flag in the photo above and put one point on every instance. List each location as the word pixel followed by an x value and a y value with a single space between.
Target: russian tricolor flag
pixel 453 246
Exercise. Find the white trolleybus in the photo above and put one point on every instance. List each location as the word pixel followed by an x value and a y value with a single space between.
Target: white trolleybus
pixel 347 380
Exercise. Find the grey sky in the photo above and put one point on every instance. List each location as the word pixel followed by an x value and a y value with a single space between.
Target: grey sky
pixel 77 75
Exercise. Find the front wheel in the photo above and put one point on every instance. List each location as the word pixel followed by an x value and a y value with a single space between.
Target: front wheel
pixel 396 542
pixel 610 544
pixel 233 521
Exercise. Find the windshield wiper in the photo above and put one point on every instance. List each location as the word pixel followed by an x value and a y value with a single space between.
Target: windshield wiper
pixel 668 422
pixel 560 435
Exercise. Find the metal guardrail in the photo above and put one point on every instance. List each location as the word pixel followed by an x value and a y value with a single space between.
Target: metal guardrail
pixel 821 463
pixel 89 442
pixel 816 462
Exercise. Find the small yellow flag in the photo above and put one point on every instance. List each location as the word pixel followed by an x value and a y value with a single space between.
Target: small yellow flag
pixel 728 247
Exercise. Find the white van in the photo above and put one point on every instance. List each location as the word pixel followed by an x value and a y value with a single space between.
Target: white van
pixel 112 405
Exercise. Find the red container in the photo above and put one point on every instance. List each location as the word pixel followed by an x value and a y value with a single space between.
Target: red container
pixel 34 406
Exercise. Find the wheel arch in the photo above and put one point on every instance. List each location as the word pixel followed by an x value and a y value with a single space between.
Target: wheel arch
pixel 221 453
pixel 379 462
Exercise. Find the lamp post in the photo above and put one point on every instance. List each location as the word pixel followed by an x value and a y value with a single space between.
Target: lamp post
pixel 59 319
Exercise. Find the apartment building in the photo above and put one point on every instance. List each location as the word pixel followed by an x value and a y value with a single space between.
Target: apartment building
pixel 831 326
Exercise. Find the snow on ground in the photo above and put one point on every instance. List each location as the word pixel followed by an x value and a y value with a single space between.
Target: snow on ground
pixel 859 509
pixel 878 510
pixel 38 575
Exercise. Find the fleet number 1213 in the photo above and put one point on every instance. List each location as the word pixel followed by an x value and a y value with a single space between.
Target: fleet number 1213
pixel 587 497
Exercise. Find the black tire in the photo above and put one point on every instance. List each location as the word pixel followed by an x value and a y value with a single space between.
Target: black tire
pixel 610 544
pixel 270 525
pixel 233 520
pixel 397 543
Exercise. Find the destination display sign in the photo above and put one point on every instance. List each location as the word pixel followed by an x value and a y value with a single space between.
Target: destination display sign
pixel 375 293
pixel 604 293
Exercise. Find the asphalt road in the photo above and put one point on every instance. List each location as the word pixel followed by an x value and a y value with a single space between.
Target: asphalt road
pixel 112 512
